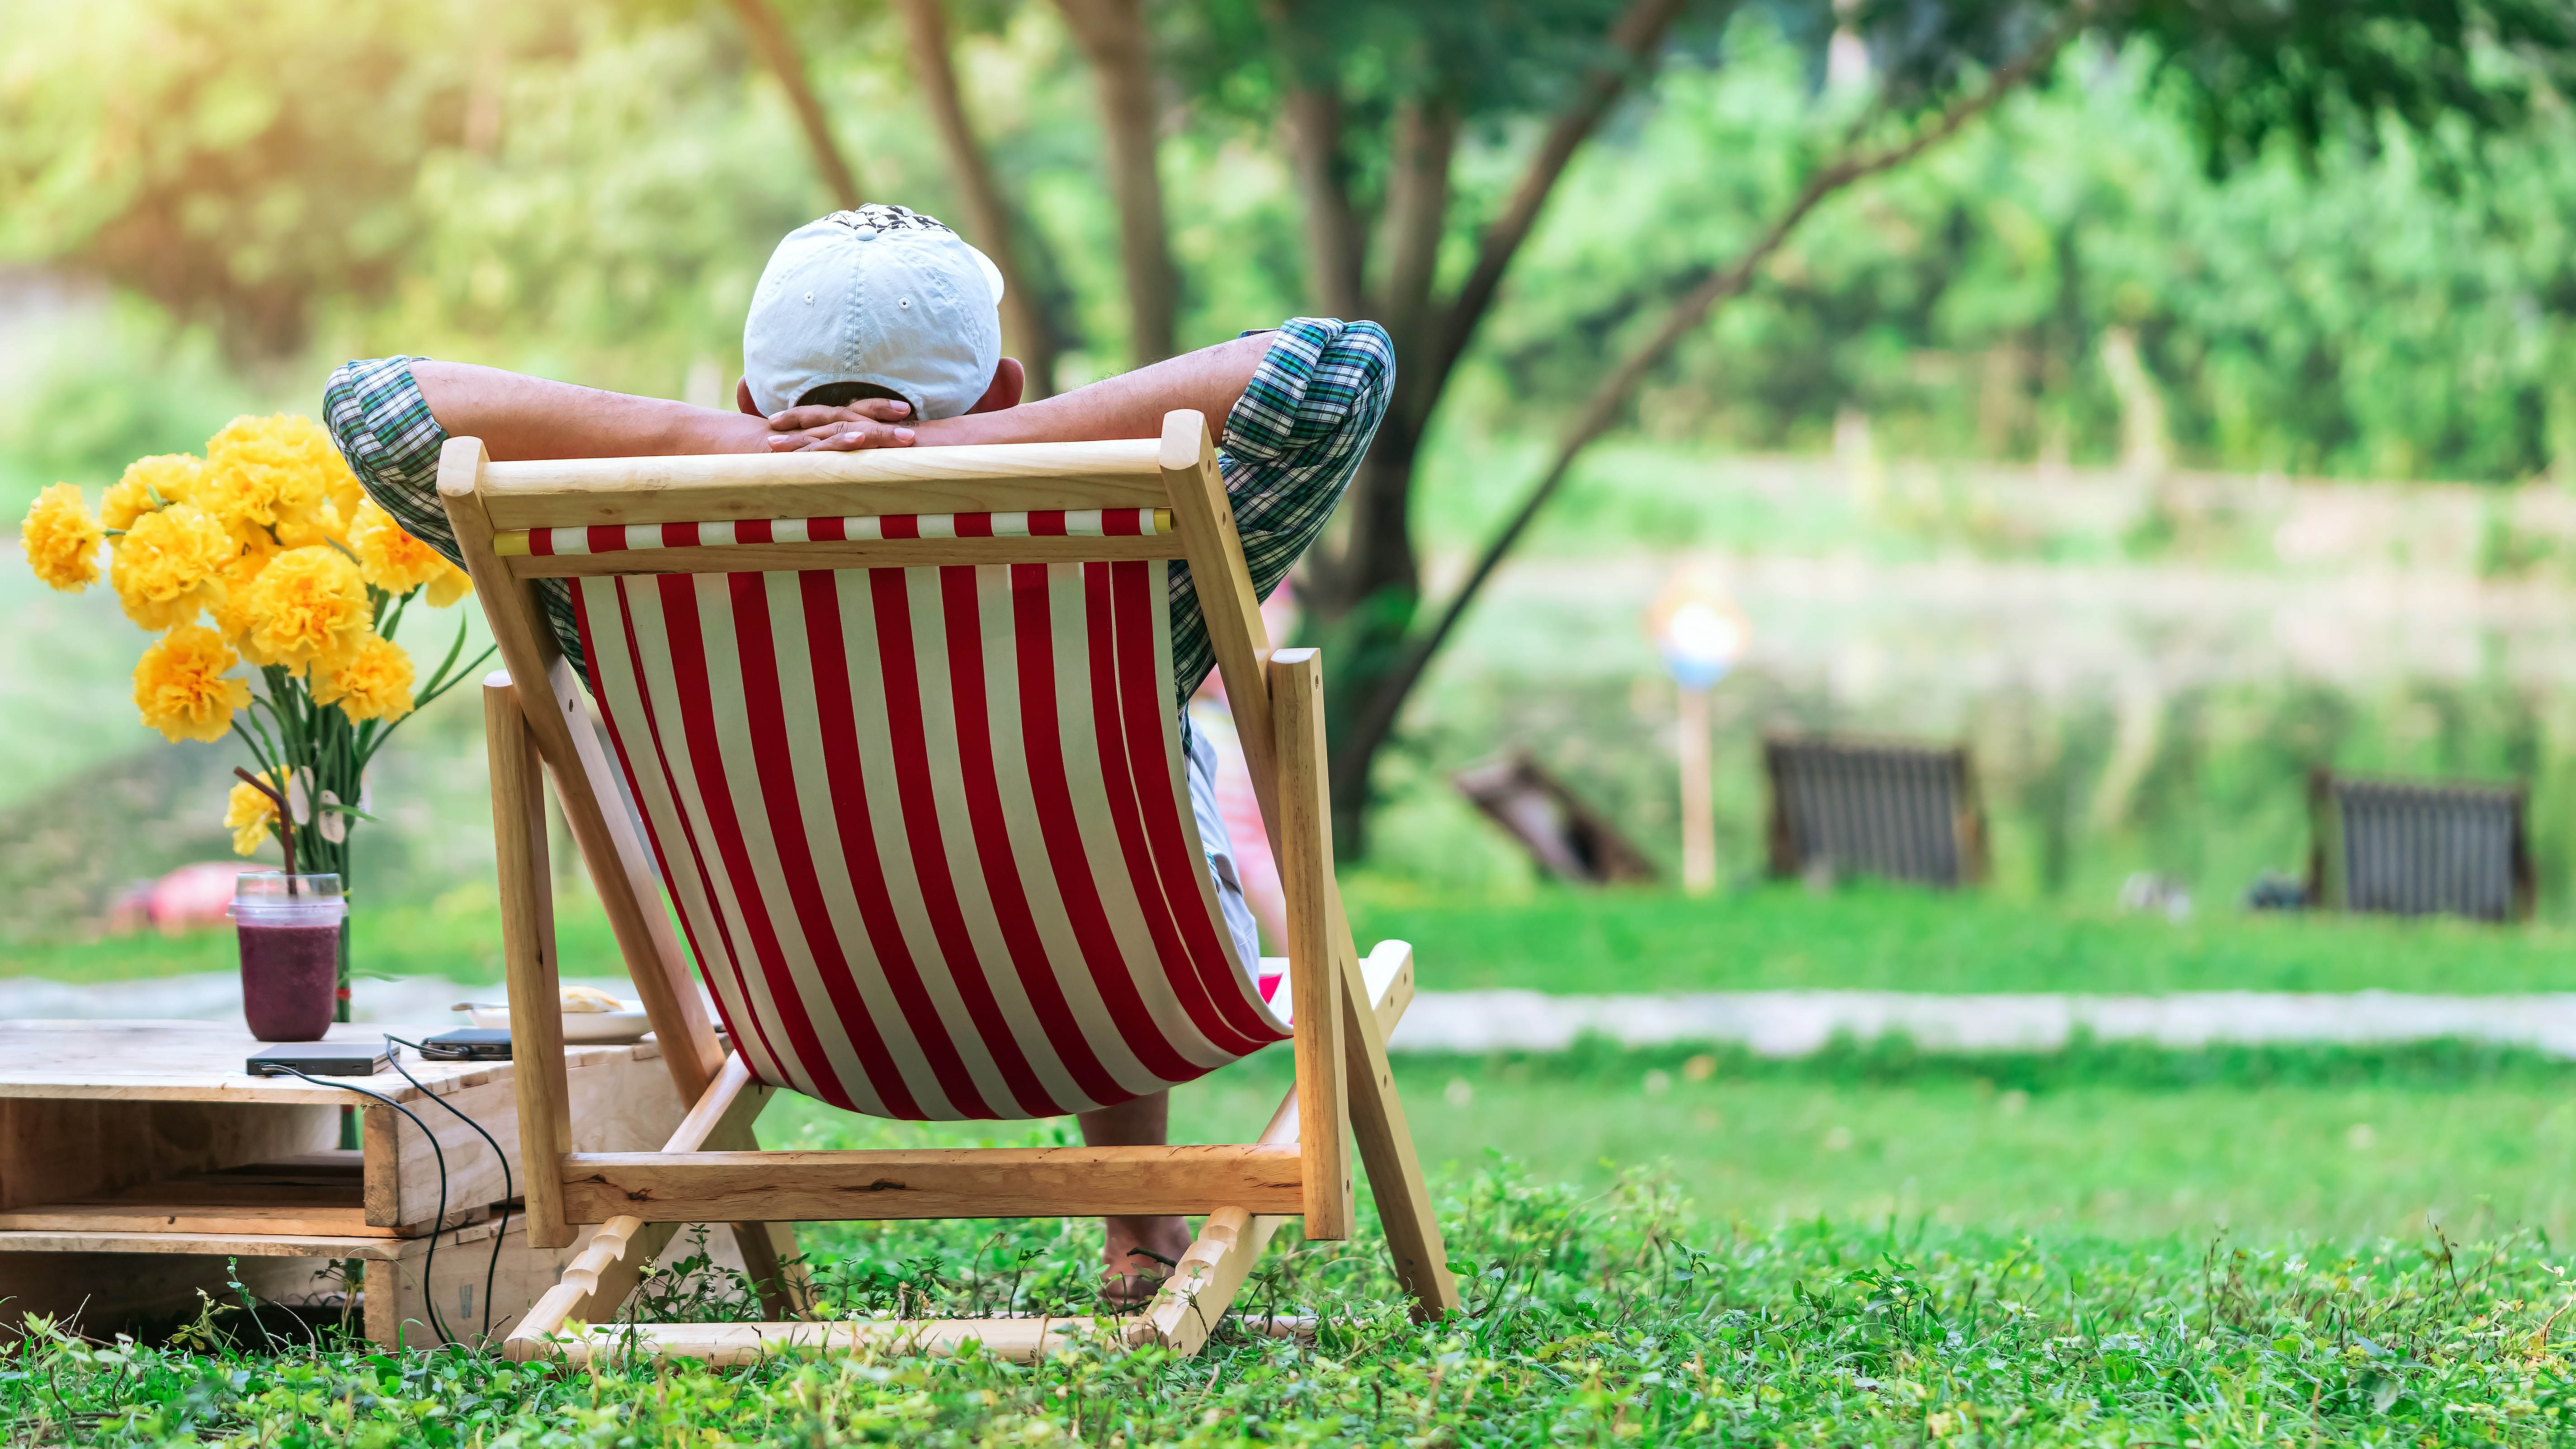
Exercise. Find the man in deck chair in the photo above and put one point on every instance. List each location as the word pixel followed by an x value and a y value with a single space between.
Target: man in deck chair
pixel 880 328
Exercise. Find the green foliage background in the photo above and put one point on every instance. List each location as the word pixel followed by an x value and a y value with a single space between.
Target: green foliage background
pixel 203 206
pixel 590 190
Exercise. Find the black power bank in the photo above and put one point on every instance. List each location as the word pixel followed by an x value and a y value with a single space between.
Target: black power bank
pixel 468 1044
pixel 320 1059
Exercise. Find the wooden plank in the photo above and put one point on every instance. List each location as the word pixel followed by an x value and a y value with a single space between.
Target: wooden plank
pixel 727 1100
pixel 1195 1298
pixel 930 1183
pixel 901 553
pixel 185 1061
pixel 733 1345
pixel 1305 835
pixel 242 1245
pixel 245 1188
pixel 454 1281
pixel 588 1284
pixel 980 478
pixel 722 1120
pixel 528 956
pixel 1204 515
pixel 141 1216
pixel 620 1104
pixel 321 1195
pixel 629 888
pixel 1413 1240
pixel 1203 1285
pixel 53 1150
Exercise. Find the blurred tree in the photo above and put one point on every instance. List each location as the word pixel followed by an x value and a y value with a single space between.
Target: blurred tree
pixel 154 141
pixel 2250 69
pixel 779 52
pixel 1559 194
pixel 1113 38
pixel 1028 333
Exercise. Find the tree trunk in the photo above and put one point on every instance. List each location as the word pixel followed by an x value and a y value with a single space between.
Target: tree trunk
pixel 778 52
pixel 1026 330
pixel 1311 124
pixel 1371 721
pixel 1634 40
pixel 1364 590
pixel 1410 229
pixel 1112 36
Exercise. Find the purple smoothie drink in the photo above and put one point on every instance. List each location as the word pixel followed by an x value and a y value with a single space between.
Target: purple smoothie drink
pixel 290 953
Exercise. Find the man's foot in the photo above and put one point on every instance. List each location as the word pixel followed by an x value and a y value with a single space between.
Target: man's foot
pixel 1139 1255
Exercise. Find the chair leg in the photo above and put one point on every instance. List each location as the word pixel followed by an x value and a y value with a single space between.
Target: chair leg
pixel 528 958
pixel 1386 1152
pixel 617 1278
pixel 784 1288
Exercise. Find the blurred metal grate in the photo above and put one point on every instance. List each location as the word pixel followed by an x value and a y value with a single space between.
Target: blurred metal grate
pixel 1887 808
pixel 2413 848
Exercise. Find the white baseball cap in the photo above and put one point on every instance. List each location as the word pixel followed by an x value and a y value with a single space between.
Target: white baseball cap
pixel 880 295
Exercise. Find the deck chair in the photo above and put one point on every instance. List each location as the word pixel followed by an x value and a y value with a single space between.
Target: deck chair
pixel 1896 809
pixel 2419 847
pixel 900 730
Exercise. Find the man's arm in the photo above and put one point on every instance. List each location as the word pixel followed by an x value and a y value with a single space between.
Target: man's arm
pixel 518 416
pixel 1130 405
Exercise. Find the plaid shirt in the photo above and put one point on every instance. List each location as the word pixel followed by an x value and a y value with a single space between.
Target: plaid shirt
pixel 1290 447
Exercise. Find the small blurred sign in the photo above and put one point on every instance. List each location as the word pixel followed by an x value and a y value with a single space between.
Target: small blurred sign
pixel 1701 635
pixel 1697 628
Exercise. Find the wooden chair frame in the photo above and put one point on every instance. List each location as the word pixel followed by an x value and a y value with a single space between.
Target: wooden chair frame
pixel 712 1170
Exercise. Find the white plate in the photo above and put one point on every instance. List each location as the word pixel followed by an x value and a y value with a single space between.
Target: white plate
pixel 586 1028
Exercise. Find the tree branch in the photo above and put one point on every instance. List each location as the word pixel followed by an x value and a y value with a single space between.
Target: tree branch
pixel 1371 725
pixel 1024 319
pixel 1639 30
pixel 778 52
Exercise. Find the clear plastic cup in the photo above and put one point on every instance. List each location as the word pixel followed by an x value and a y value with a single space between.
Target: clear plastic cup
pixel 290 952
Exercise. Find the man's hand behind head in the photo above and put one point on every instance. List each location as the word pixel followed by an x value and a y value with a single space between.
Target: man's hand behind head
pixel 869 422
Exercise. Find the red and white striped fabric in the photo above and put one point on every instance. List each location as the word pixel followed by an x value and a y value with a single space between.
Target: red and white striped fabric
pixel 927 829
pixel 726 533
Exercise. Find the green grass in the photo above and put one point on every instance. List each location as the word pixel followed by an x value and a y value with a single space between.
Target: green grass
pixel 1993 1251
pixel 1591 1318
pixel 1770 938
pixel 2126 1142
pixel 1884 938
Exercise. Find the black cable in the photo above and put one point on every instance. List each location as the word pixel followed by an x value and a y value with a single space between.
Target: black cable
pixel 429 1260
pixel 492 1269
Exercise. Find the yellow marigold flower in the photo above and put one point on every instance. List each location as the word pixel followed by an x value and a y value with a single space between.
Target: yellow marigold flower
pixel 61 539
pixel 170 564
pixel 175 476
pixel 232 615
pixel 391 559
pixel 180 685
pixel 307 606
pixel 250 815
pixel 277 472
pixel 452 584
pixel 374 684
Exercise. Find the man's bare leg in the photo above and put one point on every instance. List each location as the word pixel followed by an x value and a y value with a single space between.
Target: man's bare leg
pixel 1145 1122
